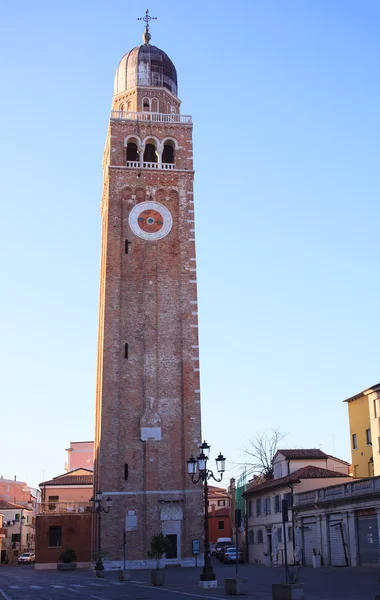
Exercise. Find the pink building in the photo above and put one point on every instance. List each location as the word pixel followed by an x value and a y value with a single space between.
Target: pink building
pixel 80 455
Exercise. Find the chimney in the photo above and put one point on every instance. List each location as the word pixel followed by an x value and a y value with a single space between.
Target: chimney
pixel 15 477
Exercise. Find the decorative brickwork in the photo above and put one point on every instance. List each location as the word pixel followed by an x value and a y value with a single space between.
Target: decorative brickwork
pixel 148 401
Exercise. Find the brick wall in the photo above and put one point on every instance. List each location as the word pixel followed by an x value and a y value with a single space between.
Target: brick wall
pixel 76 534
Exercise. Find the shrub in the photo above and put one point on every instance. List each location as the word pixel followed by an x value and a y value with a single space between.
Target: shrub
pixel 68 556
pixel 159 545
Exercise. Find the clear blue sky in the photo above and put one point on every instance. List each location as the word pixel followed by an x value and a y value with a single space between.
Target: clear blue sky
pixel 285 100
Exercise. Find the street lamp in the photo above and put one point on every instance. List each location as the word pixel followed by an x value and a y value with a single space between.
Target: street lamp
pixel 98 508
pixel 204 474
pixel 22 522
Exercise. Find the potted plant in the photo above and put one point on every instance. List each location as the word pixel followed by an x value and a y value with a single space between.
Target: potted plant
pixel 158 547
pixel 266 559
pixel 316 558
pixel 67 560
pixel 292 590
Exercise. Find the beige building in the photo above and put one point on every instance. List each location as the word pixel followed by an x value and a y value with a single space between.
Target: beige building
pixel 295 471
pixel 364 419
pixel 18 530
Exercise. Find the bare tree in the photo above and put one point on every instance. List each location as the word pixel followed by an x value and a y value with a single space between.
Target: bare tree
pixel 261 451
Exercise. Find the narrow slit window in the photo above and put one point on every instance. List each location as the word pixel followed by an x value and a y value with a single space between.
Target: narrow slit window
pixel 125 350
pixel 126 471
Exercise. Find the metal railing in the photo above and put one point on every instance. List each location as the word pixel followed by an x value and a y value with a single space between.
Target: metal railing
pixel 64 507
pixel 151 117
pixel 343 490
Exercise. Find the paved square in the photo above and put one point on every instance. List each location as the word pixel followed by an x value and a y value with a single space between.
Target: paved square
pixel 24 583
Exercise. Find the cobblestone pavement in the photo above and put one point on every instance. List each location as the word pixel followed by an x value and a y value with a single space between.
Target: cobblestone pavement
pixel 23 582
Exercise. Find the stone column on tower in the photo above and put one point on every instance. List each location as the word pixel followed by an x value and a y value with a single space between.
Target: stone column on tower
pixel 148 419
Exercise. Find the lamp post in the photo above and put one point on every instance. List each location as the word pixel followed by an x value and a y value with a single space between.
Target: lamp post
pixel 204 474
pixel 98 508
pixel 22 522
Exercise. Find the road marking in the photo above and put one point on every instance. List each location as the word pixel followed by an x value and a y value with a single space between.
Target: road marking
pixel 36 587
pixel 58 587
pixel 71 590
pixel 4 595
pixel 97 597
pixel 162 589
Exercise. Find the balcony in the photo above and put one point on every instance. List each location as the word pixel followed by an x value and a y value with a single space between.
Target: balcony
pixel 151 117
pixel 51 508
pixel 135 164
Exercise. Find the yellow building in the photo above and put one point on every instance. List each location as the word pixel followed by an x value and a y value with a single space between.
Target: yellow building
pixel 363 414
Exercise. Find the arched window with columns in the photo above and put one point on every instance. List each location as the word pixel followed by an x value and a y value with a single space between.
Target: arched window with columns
pixel 168 154
pixel 146 105
pixel 154 105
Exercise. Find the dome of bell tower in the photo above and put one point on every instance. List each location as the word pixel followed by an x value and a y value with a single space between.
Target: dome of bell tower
pixel 145 66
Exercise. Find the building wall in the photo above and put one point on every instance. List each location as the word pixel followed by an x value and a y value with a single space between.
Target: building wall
pixel 68 493
pixel 26 531
pixel 76 534
pixel 80 454
pixel 294 464
pixel 14 491
pixel 265 522
pixel 374 415
pixel 215 518
pixel 358 413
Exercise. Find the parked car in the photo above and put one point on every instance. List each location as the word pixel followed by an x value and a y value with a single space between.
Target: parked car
pixel 229 555
pixel 220 544
pixel 27 558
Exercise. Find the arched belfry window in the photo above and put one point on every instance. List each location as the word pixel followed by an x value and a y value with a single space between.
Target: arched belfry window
pixel 168 154
pixel 154 105
pixel 132 152
pixel 146 105
pixel 122 107
pixel 150 153
pixel 129 106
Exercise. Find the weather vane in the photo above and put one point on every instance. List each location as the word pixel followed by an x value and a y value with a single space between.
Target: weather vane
pixel 146 35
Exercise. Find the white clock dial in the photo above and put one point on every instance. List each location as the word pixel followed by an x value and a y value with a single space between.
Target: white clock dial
pixel 150 220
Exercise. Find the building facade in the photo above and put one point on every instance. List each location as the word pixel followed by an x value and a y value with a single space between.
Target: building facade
pixel 295 470
pixel 341 522
pixel 219 507
pixel 80 454
pixel 148 394
pixel 65 518
pixel 364 420
pixel 18 530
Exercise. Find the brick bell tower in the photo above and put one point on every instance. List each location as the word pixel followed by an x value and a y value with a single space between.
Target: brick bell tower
pixel 148 419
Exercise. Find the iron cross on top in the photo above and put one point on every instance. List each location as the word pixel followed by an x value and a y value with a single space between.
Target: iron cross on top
pixel 147 19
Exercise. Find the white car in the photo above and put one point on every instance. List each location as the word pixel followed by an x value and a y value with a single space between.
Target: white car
pixel 27 558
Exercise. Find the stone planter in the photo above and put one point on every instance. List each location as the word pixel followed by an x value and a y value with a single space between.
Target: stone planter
pixel 99 572
pixel 158 576
pixel 317 560
pixel 67 566
pixel 287 591
pixel 236 587
pixel 124 575
pixel 267 560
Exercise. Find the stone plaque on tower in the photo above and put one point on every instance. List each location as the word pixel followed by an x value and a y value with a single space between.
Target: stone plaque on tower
pixel 148 398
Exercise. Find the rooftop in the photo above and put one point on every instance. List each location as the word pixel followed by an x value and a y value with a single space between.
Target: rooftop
pixel 373 388
pixel 308 472
pixel 72 479
pixel 5 505
pixel 302 453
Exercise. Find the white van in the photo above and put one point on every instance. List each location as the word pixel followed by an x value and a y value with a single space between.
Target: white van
pixel 221 543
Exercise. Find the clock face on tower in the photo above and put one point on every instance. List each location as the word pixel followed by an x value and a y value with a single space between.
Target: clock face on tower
pixel 150 220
